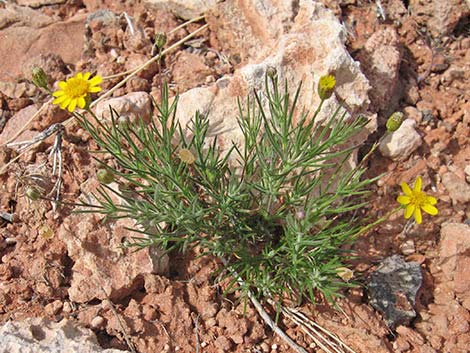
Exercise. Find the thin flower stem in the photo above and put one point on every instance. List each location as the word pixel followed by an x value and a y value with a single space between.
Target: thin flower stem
pixel 134 71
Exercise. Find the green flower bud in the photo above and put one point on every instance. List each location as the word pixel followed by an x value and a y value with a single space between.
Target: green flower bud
pixel 39 78
pixel 32 193
pixel 271 72
pixel 394 122
pixel 160 40
pixel 326 86
pixel 105 176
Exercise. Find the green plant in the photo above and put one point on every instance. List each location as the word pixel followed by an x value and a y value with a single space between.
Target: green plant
pixel 278 209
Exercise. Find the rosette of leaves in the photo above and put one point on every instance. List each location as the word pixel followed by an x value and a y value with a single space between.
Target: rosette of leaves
pixel 278 210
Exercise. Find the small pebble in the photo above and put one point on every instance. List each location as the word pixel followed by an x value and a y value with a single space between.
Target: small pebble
pixel 274 347
pixel 204 344
pixel 67 308
pixel 10 241
pixel 177 348
pixel 264 347
pixel 166 347
pixel 97 322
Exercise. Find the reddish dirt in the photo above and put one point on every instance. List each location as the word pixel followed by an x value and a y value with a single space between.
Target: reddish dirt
pixel 187 309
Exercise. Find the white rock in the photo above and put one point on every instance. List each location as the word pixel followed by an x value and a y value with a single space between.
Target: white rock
pixel 399 145
pixel 408 247
pixel 301 44
pixel 186 9
pixel 39 335
pixel 134 105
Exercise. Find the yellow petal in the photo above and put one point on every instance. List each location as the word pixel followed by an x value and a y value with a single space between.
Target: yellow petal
pixel 406 189
pixel 81 102
pixel 403 200
pixel 86 75
pixel 429 209
pixel 79 75
pixel 94 89
pixel 418 184
pixel 62 85
pixel 59 100
pixel 72 105
pixel 65 103
pixel 430 200
pixel 409 210
pixel 58 93
pixel 418 216
pixel 95 80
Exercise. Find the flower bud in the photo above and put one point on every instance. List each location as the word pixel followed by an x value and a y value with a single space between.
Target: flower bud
pixel 326 86
pixel 186 156
pixel 39 78
pixel 394 122
pixel 32 193
pixel 160 40
pixel 271 72
pixel 105 176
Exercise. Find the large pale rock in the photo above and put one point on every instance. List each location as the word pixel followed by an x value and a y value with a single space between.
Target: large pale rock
pixel 16 123
pixel 302 43
pixel 380 61
pixel 39 335
pixel 134 105
pixel 402 143
pixel 455 257
pixel 101 266
pixel 458 188
pixel 440 17
pixel 186 9
pixel 30 34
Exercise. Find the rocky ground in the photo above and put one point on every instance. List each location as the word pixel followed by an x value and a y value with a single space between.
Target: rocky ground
pixel 412 56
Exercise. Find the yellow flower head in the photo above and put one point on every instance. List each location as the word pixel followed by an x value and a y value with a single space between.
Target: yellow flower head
pixel 326 86
pixel 76 90
pixel 416 200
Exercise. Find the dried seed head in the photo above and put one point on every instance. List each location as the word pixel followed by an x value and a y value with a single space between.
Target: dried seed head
pixel 186 156
pixel 345 273
pixel 39 78
pixel 105 176
pixel 394 122
pixel 160 40
pixel 326 86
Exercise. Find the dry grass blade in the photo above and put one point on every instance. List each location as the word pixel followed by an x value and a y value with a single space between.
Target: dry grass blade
pixel 327 341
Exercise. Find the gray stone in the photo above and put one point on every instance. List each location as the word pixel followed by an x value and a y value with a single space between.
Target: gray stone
pixel 392 290
pixel 39 335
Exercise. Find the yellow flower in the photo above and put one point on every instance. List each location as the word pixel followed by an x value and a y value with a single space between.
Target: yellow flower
pixel 416 200
pixel 326 86
pixel 76 90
